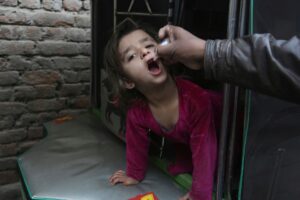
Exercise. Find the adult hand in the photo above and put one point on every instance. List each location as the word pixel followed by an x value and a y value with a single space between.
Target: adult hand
pixel 121 177
pixel 183 47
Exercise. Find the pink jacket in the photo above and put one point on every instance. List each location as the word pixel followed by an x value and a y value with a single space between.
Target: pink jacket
pixel 194 135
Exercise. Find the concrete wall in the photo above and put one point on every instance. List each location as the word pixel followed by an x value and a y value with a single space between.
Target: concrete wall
pixel 44 74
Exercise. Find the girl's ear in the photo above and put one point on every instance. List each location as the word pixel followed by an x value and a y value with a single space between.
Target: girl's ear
pixel 126 83
pixel 129 84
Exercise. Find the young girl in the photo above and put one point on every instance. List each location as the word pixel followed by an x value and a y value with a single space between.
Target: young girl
pixel 156 102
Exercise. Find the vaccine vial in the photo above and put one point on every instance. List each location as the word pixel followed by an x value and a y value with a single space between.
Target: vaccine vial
pixel 165 42
pixel 162 43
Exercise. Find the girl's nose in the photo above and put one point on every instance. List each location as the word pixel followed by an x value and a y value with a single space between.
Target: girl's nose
pixel 144 52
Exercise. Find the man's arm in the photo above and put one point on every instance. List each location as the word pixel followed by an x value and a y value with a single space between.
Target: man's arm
pixel 259 62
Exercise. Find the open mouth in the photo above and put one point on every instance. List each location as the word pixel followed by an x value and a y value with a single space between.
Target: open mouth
pixel 153 67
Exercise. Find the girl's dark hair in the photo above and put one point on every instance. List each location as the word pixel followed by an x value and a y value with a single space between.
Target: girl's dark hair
pixel 112 63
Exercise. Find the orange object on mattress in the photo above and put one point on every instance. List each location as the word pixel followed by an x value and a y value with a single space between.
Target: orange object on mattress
pixel 63 119
pixel 146 196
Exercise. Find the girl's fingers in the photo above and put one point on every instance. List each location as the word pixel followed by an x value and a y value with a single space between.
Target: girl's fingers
pixel 117 179
pixel 116 175
pixel 120 172
pixel 185 197
pixel 121 177
pixel 130 181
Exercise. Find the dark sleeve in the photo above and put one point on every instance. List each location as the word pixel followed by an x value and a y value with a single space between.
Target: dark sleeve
pixel 203 146
pixel 258 62
pixel 137 146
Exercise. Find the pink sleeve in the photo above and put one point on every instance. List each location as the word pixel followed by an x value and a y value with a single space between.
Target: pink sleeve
pixel 204 151
pixel 137 145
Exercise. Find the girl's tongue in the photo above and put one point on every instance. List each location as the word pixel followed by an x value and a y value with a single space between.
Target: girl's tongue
pixel 153 67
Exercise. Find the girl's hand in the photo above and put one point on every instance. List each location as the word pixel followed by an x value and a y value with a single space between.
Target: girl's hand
pixel 121 177
pixel 186 197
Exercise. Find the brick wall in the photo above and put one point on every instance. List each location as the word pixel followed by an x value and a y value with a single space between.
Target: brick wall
pixel 44 73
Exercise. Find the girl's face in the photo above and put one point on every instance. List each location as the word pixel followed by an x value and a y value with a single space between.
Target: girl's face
pixel 139 61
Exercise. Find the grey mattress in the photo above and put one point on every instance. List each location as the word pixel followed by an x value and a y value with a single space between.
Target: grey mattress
pixel 75 161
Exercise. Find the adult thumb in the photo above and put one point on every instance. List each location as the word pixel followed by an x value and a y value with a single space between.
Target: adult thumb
pixel 166 52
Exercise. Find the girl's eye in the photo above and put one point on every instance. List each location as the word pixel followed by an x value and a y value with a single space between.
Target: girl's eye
pixel 130 57
pixel 149 45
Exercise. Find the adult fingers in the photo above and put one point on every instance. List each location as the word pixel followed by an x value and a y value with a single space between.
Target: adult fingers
pixel 167 52
pixel 163 32
pixel 167 31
